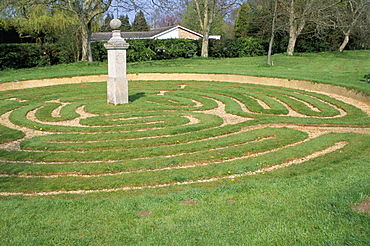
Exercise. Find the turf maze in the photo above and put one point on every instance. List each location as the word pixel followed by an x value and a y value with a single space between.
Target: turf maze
pixel 67 139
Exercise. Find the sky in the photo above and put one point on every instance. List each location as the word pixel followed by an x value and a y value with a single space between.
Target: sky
pixel 125 9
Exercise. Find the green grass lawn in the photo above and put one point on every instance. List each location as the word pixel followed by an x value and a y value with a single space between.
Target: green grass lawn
pixel 166 169
pixel 345 69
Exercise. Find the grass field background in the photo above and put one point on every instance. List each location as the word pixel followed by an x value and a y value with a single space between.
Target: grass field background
pixel 168 169
pixel 345 69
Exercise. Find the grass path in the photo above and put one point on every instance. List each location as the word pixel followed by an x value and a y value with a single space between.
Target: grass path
pixel 229 108
pixel 346 69
pixel 189 162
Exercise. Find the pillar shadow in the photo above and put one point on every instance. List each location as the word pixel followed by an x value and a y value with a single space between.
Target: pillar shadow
pixel 366 78
pixel 133 98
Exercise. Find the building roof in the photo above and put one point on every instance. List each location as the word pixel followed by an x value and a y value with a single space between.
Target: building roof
pixel 153 33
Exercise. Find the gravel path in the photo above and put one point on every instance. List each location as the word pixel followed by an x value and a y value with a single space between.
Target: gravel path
pixel 312 130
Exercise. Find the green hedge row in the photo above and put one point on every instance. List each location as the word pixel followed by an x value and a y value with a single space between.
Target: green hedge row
pixel 152 49
pixel 19 55
pixel 27 55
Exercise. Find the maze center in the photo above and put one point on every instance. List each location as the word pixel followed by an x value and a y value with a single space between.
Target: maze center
pixel 170 133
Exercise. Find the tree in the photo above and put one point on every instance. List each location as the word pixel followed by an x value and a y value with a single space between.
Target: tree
pixel 248 22
pixel 206 12
pixel 242 20
pixel 347 15
pixel 86 11
pixel 125 27
pixel 37 19
pixel 168 20
pixel 273 30
pixel 140 23
pixel 167 13
pixel 41 16
pixel 106 27
pixel 190 20
pixel 299 13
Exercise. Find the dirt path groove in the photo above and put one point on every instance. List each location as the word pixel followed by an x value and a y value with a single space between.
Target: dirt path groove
pixel 347 96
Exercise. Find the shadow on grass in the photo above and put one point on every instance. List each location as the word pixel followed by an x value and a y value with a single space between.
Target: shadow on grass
pixel 133 98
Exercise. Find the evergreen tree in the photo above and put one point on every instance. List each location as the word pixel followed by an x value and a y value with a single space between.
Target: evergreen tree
pixel 190 19
pixel 249 21
pixel 140 23
pixel 242 21
pixel 125 27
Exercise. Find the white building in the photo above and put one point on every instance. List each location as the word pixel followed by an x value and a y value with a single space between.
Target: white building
pixel 173 32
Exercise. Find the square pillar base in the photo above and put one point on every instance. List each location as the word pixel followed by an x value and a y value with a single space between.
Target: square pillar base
pixel 117 90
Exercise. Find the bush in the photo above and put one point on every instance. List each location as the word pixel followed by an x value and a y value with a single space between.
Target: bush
pixel 150 49
pixel 98 51
pixel 243 47
pixel 216 48
pixel 20 56
pixel 174 48
pixel 139 51
pixel 27 55
pixel 30 55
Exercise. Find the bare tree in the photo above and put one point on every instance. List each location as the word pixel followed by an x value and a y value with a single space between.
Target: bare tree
pixel 298 13
pixel 86 11
pixel 206 12
pixel 347 14
pixel 273 30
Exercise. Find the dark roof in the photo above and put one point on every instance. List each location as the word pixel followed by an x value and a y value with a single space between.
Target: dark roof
pixel 105 36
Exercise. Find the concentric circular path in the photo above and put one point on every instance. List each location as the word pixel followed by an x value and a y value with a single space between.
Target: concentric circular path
pixel 177 129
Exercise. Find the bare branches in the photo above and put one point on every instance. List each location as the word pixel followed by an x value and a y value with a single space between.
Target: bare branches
pixel 346 15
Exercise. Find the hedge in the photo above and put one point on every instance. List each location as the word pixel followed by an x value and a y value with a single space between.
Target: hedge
pixel 19 55
pixel 27 55
pixel 151 49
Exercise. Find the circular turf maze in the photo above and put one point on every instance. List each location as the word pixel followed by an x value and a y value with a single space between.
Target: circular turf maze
pixel 67 139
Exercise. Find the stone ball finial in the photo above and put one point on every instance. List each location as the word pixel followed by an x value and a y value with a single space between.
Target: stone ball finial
pixel 115 24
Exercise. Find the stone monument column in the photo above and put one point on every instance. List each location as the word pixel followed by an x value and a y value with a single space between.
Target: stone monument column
pixel 117 83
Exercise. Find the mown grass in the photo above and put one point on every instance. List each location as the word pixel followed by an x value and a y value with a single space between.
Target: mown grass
pixel 150 142
pixel 301 205
pixel 345 69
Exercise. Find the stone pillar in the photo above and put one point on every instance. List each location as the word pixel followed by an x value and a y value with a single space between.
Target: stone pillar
pixel 117 83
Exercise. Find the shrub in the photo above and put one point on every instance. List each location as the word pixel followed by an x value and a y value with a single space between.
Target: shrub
pixel 217 48
pixel 28 55
pixel 98 51
pixel 174 48
pixel 243 47
pixel 151 49
pixel 21 56
pixel 139 51
pixel 31 55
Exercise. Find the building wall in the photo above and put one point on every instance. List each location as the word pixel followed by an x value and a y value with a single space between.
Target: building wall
pixel 186 34
pixel 168 35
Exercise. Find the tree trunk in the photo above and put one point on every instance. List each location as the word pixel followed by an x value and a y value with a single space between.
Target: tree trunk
pixel 292 30
pixel 205 44
pixel 345 41
pixel 206 29
pixel 296 26
pixel 86 42
pixel 291 44
pixel 270 49
pixel 269 62
pixel 295 31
